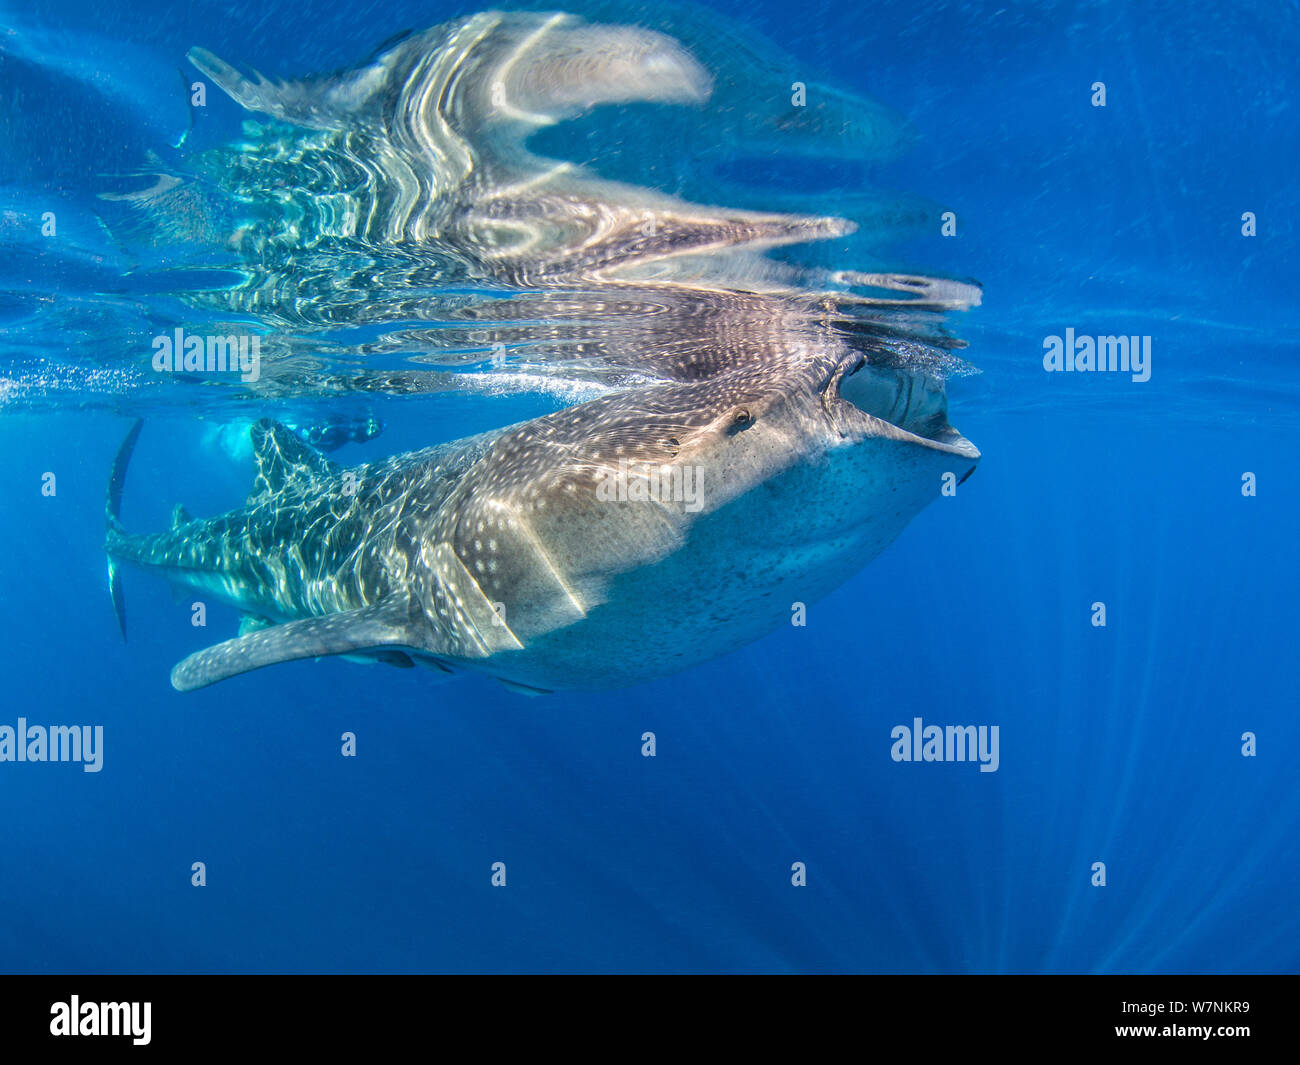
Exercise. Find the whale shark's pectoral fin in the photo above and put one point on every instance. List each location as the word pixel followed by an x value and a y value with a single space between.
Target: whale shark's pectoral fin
pixel 385 627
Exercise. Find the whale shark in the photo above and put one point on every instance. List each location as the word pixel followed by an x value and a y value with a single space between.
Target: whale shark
pixel 508 553
pixel 739 434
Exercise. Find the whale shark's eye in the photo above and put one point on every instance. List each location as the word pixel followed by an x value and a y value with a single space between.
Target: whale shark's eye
pixel 740 419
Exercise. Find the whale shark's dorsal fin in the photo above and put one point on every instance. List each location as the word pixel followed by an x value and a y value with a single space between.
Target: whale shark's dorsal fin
pixel 180 516
pixel 384 627
pixel 283 460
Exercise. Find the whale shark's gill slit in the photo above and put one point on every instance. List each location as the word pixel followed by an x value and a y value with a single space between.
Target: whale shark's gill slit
pixel 478 619
pixel 517 522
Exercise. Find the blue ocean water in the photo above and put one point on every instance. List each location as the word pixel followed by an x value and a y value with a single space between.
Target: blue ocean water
pixel 1120 744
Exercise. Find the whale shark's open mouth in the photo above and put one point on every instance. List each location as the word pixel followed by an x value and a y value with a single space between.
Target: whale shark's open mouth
pixel 912 403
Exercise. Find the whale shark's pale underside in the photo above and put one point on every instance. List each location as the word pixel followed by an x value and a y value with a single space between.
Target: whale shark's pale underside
pixel 746 449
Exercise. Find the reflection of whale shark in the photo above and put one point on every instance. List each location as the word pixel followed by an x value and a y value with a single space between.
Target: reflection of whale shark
pixel 430 138
pixel 758 432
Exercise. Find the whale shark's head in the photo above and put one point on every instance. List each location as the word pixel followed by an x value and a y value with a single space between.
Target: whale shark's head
pixel 831 448
pixel 688 517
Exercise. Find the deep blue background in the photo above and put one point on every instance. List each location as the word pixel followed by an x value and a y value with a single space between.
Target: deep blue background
pixel 1119 745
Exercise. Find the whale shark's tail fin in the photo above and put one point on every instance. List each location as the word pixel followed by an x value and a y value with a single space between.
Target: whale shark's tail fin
pixel 112 511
